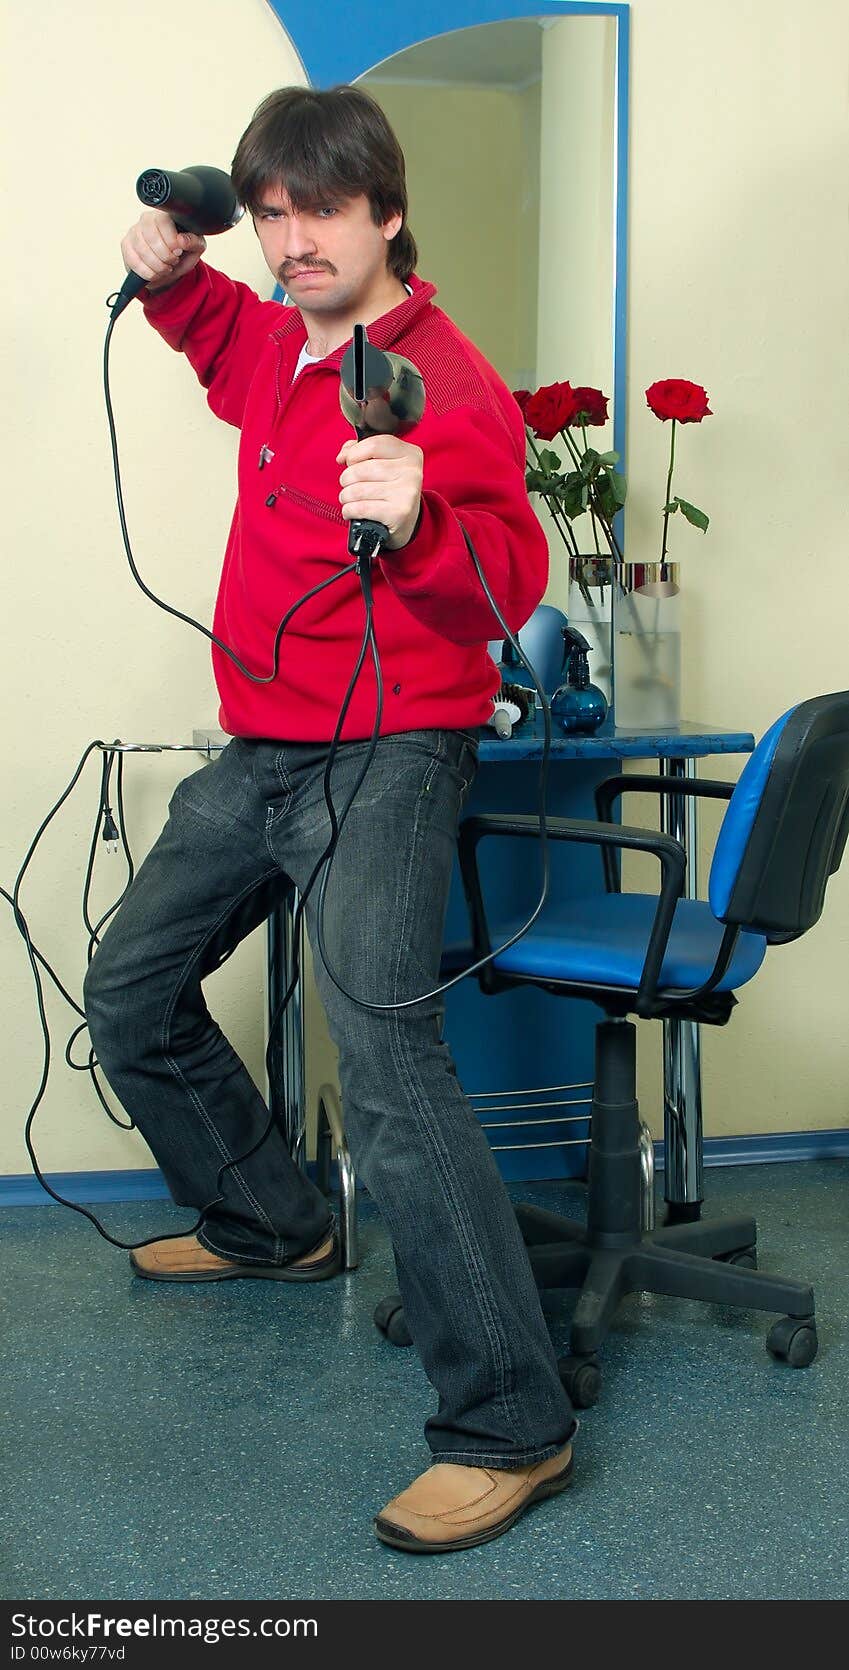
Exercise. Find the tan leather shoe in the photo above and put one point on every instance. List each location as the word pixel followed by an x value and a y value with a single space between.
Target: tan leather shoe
pixel 183 1258
pixel 452 1507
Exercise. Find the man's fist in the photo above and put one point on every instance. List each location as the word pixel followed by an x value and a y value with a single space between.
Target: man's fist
pixel 160 254
pixel 382 482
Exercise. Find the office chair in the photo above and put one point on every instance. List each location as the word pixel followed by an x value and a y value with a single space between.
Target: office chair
pixel 782 837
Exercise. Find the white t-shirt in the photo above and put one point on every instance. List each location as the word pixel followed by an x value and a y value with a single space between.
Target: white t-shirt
pixel 305 358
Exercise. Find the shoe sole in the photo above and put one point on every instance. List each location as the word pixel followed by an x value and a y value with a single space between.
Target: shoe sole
pixel 320 1271
pixel 394 1537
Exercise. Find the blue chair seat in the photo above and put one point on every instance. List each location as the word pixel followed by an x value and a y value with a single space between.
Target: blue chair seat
pixel 603 941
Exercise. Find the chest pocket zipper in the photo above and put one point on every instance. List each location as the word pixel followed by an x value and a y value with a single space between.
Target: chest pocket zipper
pixel 319 507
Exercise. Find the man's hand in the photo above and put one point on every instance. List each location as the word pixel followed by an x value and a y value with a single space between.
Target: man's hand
pixel 382 482
pixel 160 254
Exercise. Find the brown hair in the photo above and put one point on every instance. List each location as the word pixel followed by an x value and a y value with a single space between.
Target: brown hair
pixel 326 144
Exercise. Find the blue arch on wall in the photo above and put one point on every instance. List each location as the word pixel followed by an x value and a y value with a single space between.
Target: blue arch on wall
pixel 338 40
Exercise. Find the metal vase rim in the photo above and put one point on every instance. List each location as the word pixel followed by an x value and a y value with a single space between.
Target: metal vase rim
pixel 649 579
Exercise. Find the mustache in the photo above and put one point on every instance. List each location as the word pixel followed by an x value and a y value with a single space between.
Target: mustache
pixel 290 267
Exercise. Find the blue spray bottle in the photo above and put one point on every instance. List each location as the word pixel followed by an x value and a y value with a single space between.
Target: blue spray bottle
pixel 578 705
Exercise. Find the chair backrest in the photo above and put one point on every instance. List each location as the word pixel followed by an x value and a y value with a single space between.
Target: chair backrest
pixel 786 825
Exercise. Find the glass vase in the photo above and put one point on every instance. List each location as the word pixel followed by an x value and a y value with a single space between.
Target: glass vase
pixel 646 646
pixel 590 612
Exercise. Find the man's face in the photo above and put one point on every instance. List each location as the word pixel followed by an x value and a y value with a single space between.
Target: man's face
pixel 330 257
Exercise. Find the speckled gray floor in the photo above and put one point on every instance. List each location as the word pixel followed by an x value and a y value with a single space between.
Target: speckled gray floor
pixel 232 1442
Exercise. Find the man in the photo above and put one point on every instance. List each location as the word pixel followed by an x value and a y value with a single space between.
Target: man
pixel 323 177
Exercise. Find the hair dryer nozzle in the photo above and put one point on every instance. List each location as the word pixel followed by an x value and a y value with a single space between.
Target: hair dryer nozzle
pixel 199 200
pixel 380 393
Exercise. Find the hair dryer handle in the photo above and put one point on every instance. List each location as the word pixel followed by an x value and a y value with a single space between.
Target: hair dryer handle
pixel 131 286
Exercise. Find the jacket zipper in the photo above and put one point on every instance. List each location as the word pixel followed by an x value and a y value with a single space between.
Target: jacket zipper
pixel 306 500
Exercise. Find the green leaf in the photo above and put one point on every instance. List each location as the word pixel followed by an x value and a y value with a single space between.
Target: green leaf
pixel 572 497
pixel 589 464
pixel 608 458
pixel 697 517
pixel 606 501
pixel 618 486
pixel 672 507
pixel 549 462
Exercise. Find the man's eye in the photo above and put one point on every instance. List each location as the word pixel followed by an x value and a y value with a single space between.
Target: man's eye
pixel 326 210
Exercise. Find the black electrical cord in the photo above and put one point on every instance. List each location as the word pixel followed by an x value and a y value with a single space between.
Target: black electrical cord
pixel 423 997
pixel 326 857
pixel 362 566
pixel 188 620
pixel 35 957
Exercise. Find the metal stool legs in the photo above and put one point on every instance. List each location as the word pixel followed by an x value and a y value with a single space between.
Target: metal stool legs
pixel 330 1135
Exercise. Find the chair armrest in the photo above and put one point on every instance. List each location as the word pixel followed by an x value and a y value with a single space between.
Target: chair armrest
pixel 641 782
pixel 660 783
pixel 670 852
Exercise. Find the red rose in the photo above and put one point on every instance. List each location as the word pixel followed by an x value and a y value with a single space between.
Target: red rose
pixel 591 406
pixel 675 398
pixel 521 397
pixel 550 410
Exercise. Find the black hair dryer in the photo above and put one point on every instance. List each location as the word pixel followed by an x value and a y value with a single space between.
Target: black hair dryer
pixel 200 200
pixel 380 394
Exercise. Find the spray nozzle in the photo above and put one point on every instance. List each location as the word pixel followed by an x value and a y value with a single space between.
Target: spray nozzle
pixel 575 639
pixel 575 654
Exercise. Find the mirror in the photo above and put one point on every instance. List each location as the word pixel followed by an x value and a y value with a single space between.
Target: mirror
pixel 508 133
pixel 515 136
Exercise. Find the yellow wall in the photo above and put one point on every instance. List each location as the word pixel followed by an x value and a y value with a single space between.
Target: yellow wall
pixel 738 269
pixel 739 261
pixel 89 102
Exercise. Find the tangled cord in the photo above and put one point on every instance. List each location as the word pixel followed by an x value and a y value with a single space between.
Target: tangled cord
pixel 110 834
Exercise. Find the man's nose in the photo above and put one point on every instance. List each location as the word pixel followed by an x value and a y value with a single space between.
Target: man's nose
pixel 298 241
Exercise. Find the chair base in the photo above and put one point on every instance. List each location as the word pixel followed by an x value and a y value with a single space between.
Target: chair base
pixel 685 1261
pixel 616 1252
pixel 613 1254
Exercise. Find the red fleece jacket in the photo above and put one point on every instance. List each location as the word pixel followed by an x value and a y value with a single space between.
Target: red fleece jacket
pixel 431 617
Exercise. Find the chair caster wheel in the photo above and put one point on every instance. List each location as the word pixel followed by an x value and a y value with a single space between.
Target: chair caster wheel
pixel 793 1340
pixel 390 1322
pixel 746 1257
pixel 581 1380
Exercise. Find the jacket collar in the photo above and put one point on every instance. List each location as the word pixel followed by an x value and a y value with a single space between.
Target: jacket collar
pixel 382 332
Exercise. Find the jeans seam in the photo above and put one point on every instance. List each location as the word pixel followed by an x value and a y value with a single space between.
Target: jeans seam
pixel 474 1264
pixel 269 825
pixel 275 813
pixel 173 1065
pixel 498 1459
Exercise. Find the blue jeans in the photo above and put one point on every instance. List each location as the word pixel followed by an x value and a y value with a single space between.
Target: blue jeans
pixel 238 831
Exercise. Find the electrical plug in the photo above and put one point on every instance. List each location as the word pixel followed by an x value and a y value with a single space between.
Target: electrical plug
pixel 109 833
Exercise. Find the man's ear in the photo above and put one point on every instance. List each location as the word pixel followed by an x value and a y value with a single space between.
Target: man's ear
pixel 392 227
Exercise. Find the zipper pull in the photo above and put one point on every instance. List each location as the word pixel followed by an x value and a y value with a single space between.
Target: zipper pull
pixel 273 497
pixel 265 457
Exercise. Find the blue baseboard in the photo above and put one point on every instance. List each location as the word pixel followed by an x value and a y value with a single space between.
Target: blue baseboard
pixel 90 1187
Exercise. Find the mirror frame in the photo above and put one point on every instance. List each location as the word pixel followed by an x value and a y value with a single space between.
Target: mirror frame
pixel 339 40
